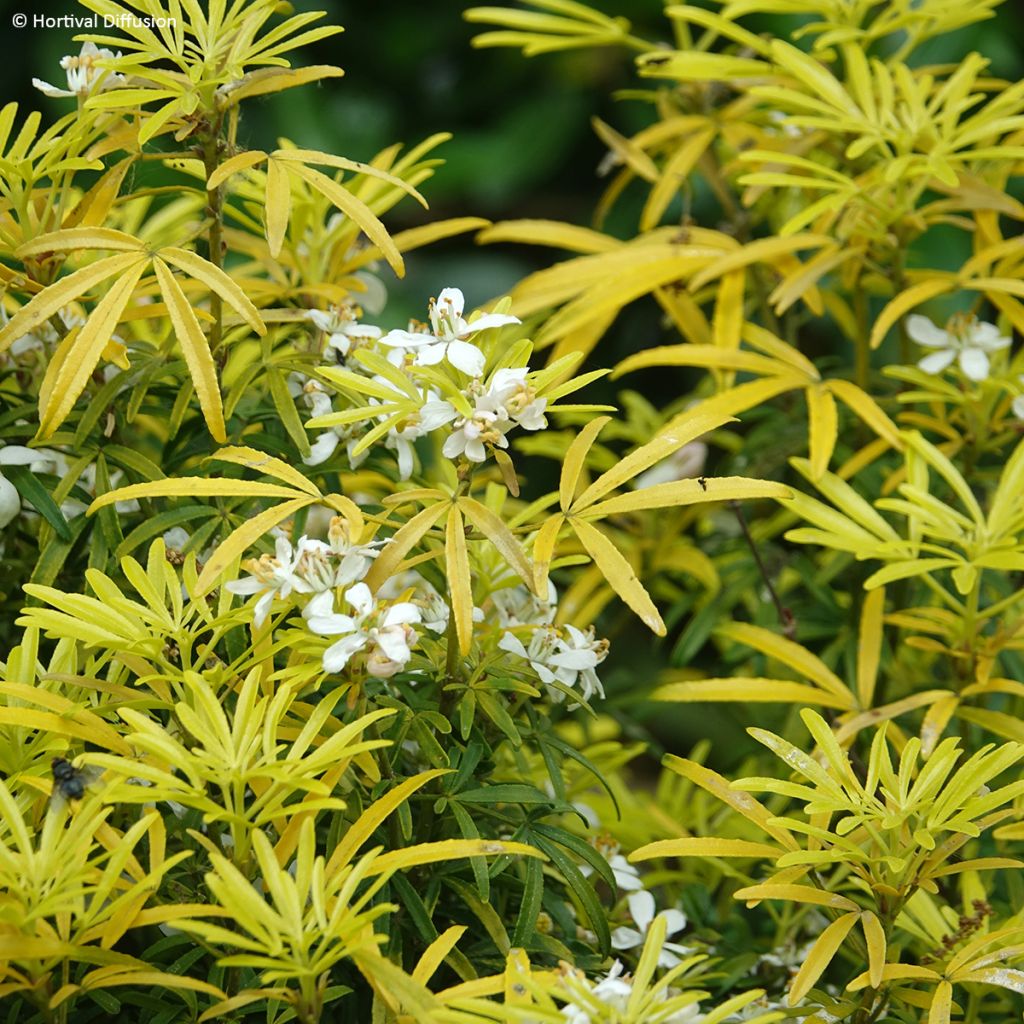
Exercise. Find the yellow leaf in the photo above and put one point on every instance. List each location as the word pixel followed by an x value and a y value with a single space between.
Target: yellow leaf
pixel 251 458
pixel 81 360
pixel 728 321
pixel 820 956
pixel 549 232
pixel 55 297
pixel 244 537
pixel 239 162
pixel 705 846
pixel 543 552
pixel 217 281
pixel 788 652
pixel 870 646
pixel 764 250
pixel 277 206
pixel 460 584
pixel 942 1004
pixel 575 459
pixel 433 956
pixel 906 301
pixel 193 487
pixel 824 428
pixel 401 544
pixel 82 238
pixel 268 80
pixel 750 690
pixel 449 849
pixel 366 824
pixel 630 153
pixel 495 530
pixel 673 176
pixel 797 894
pixel 874 935
pixel 867 409
pixel 356 210
pixel 92 209
pixel 619 574
pixel 677 493
pixel 682 430
pixel 195 348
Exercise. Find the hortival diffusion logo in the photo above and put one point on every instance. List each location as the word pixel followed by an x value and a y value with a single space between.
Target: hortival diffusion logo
pixel 85 21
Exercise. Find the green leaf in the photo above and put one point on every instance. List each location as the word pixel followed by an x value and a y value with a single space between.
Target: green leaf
pixel 30 488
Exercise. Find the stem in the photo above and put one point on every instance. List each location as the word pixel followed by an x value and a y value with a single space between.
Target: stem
pixel 786 619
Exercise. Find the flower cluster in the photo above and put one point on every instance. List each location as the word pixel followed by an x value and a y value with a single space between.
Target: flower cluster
pixel 310 567
pixel 966 340
pixel 564 658
pixel 440 383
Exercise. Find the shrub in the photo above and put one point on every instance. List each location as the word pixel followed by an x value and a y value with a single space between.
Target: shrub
pixel 319 702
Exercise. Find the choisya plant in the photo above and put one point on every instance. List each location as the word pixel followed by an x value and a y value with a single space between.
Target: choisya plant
pixel 321 733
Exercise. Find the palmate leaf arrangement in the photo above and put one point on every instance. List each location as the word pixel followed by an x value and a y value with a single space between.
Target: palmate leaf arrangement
pixel 320 735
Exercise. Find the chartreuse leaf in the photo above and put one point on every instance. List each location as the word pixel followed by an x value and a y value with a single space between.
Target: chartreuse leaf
pixel 820 956
pixel 459 580
pixel 195 348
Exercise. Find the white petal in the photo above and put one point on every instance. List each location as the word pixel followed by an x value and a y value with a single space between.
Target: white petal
pixel 626 938
pixel 360 598
pixel 675 921
pixel 974 363
pixel 19 455
pixel 575 660
pixel 988 336
pixel 336 656
pixel 924 332
pixel 454 445
pixel 641 908
pixel 437 414
pixel 465 357
pixel 405 458
pixel 250 585
pixel 451 301
pixel 50 90
pixel 511 643
pixel 402 614
pixel 10 501
pixel 406 339
pixel 393 643
pixel 322 448
pixel 330 625
pixel 475 450
pixel 489 320
pixel 937 361
pixel 432 354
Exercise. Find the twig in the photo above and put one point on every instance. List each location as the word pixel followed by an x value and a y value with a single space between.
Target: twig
pixel 786 619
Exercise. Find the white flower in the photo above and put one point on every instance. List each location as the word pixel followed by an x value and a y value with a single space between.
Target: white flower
pixel 507 402
pixel 607 999
pixel 967 340
pixel 355 558
pixel 562 654
pixel 272 576
pixel 384 632
pixel 82 74
pixel 684 464
pixel 448 331
pixel 627 877
pixel 342 327
pixel 18 455
pixel 517 606
pixel 641 909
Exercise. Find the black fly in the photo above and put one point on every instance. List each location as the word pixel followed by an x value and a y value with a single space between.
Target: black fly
pixel 703 481
pixel 69 782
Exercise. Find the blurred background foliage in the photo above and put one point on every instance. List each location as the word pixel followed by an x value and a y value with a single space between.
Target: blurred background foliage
pixel 523 147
